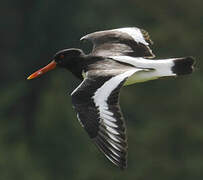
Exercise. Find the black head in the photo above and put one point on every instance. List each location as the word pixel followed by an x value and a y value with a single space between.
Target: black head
pixel 67 57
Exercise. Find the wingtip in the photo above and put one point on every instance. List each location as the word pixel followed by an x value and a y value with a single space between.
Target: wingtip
pixel 123 166
pixel 146 36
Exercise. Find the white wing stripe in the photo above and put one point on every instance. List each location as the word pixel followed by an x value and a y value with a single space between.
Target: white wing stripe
pixel 114 138
pixel 104 116
pixel 112 130
pixel 101 96
pixel 109 123
pixel 107 112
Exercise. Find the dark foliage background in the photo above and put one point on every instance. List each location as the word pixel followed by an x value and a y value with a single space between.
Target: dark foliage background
pixel 40 137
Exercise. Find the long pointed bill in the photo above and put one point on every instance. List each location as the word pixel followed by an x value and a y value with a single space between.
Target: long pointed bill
pixel 43 70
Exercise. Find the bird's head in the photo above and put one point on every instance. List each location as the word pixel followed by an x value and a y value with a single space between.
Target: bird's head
pixel 64 58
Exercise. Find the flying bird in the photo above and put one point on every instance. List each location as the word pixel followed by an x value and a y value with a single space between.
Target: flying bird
pixel 119 57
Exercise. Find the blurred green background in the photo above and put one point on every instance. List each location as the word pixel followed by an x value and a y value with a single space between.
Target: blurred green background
pixel 40 137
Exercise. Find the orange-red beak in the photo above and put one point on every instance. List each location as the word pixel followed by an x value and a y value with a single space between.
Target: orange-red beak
pixel 43 70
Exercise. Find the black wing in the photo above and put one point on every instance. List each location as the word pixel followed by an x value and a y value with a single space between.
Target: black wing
pixel 96 103
pixel 130 41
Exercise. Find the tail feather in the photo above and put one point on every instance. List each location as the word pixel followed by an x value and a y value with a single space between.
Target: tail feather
pixel 183 66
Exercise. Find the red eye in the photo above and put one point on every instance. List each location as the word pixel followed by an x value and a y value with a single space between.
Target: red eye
pixel 61 56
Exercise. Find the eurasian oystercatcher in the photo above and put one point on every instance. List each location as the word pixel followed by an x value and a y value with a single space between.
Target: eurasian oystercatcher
pixel 119 57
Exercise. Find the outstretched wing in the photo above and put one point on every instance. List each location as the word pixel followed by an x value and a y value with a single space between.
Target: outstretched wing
pixel 129 41
pixel 96 103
